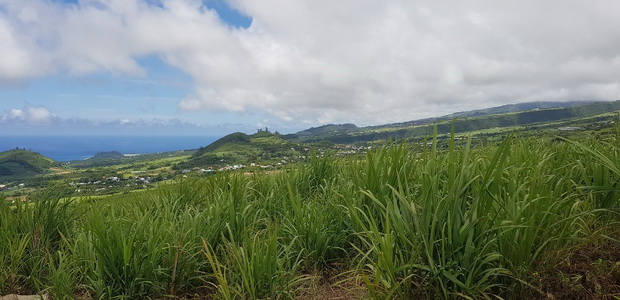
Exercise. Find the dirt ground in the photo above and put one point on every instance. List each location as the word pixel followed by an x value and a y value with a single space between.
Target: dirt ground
pixel 23 297
pixel 590 271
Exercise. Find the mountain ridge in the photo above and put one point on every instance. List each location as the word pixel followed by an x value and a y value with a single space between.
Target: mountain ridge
pixel 501 116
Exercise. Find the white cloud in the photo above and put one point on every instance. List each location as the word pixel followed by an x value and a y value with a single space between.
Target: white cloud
pixel 40 120
pixel 14 114
pixel 31 115
pixel 38 115
pixel 365 61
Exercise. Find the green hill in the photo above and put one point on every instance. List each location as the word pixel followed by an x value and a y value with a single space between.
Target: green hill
pixel 239 148
pixel 232 139
pixel 108 155
pixel 23 162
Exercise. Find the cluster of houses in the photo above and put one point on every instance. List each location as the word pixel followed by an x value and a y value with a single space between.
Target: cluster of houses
pixel 350 149
pixel 110 182
pixel 340 150
pixel 210 170
pixel 4 187
pixel 569 128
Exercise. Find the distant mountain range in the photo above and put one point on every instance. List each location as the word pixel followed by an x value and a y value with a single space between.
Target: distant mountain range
pixel 501 116
pixel 331 129
pixel 516 108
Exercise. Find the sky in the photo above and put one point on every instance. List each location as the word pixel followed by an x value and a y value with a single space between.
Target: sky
pixel 213 67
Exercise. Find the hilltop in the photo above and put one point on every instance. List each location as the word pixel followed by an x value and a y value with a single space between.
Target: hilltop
pixel 108 155
pixel 23 162
pixel 241 148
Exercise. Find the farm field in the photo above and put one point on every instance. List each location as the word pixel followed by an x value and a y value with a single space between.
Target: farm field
pixel 309 150
pixel 525 217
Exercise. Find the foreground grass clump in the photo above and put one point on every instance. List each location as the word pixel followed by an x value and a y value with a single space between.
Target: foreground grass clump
pixel 435 221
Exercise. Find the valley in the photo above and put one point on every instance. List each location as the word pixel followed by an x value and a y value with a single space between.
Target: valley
pixel 22 172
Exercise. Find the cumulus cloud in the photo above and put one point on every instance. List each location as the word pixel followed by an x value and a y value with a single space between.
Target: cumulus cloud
pixel 319 61
pixel 31 115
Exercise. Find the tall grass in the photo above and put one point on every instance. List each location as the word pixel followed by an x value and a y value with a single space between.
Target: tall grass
pixel 438 230
pixel 465 223
pixel 449 219
pixel 29 234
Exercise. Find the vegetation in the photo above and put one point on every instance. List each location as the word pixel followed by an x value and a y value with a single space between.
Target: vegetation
pixel 500 117
pixel 325 130
pixel 23 162
pixel 108 155
pixel 136 160
pixel 446 219
pixel 482 209
pixel 262 147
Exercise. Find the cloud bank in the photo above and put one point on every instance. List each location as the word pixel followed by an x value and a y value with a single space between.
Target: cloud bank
pixel 30 115
pixel 39 120
pixel 319 61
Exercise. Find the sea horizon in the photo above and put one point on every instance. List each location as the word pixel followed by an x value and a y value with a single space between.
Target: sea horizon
pixel 68 148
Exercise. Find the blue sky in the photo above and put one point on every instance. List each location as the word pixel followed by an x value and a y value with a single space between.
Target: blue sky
pixel 217 66
pixel 116 97
pixel 106 96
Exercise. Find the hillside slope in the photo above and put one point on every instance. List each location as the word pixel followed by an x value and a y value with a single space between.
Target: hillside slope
pixel 463 122
pixel 24 162
pixel 240 148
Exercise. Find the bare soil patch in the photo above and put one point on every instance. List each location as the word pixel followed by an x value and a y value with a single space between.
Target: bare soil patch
pixel 590 271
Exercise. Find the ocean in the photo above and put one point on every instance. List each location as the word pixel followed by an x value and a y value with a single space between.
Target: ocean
pixel 66 148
